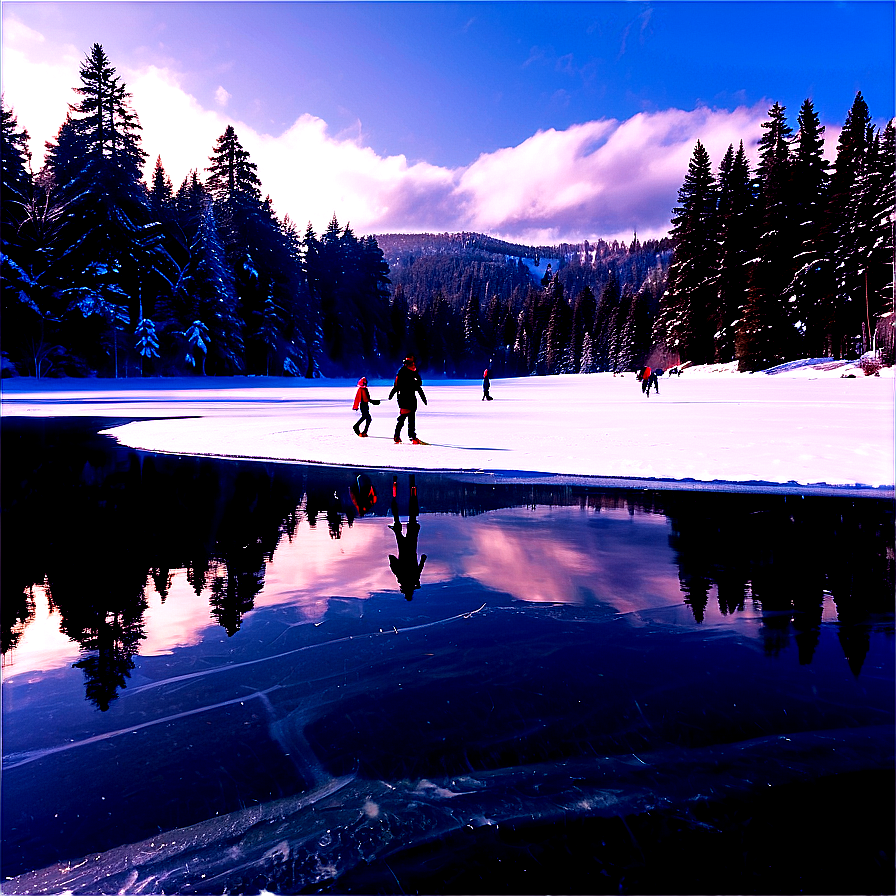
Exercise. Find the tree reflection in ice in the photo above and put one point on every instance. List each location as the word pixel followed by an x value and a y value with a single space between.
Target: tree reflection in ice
pixel 96 525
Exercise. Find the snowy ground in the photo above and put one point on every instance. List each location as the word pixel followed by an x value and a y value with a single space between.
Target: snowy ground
pixel 808 425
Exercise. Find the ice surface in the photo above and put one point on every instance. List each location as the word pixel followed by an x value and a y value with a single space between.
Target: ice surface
pixel 800 427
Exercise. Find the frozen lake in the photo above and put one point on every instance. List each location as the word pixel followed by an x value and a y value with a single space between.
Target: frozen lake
pixel 214 681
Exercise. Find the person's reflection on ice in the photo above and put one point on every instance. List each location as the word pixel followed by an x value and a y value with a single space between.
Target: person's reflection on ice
pixel 405 566
pixel 363 494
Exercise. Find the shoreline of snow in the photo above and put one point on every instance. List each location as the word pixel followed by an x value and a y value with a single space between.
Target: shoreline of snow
pixel 801 430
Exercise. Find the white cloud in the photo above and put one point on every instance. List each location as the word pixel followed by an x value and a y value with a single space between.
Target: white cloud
pixel 37 82
pixel 602 178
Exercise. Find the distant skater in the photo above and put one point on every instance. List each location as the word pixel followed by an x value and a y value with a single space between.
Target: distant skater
pixel 653 380
pixel 407 386
pixel 486 383
pixel 644 376
pixel 362 403
pixel 405 566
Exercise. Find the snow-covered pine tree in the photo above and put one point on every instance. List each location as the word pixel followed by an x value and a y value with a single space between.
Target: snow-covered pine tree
pixel 809 178
pixel 20 308
pixel 685 320
pixel 558 337
pixel 205 291
pixel 374 294
pixel 873 238
pixel 586 360
pixel 106 225
pixel 197 344
pixel 636 336
pixel 767 333
pixel 472 351
pixel 583 312
pixel 602 332
pixel 736 228
pixel 847 231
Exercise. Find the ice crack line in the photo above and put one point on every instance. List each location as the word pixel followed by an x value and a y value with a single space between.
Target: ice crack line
pixel 19 759
pixel 276 656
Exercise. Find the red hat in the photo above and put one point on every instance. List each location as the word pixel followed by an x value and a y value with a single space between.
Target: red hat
pixel 362 381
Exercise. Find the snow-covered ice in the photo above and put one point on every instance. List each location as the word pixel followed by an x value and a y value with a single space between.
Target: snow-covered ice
pixel 807 425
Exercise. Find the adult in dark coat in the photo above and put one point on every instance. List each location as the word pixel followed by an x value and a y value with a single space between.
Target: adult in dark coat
pixel 407 386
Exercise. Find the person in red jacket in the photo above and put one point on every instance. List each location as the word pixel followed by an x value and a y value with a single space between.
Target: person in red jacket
pixel 645 381
pixel 362 403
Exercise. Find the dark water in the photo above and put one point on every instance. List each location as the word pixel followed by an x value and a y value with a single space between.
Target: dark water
pixel 214 681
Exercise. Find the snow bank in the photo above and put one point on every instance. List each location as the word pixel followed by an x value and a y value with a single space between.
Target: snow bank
pixel 803 426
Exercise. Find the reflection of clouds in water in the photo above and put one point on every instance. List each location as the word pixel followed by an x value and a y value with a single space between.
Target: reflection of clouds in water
pixel 43 645
pixel 179 621
pixel 311 568
pixel 575 556
pixel 547 555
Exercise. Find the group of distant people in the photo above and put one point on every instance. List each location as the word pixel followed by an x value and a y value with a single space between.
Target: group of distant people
pixel 650 378
pixel 408 385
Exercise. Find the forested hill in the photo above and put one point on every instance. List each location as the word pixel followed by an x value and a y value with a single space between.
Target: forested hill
pixel 461 301
pixel 453 264
pixel 394 245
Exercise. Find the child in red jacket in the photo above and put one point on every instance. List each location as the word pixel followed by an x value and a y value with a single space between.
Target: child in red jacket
pixel 363 402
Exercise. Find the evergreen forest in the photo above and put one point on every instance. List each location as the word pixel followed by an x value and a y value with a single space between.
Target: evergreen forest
pixel 105 273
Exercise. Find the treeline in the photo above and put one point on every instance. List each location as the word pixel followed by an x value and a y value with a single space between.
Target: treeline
pixel 793 260
pixel 104 274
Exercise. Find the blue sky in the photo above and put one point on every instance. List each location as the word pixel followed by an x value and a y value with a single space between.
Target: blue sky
pixel 534 121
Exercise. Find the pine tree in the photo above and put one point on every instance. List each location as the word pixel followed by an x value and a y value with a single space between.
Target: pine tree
pixel 231 172
pixel 810 178
pixel 605 319
pixel 472 332
pixel 205 291
pixel 20 300
pixel 635 340
pixel 161 194
pixel 688 309
pixel 768 331
pixel 735 226
pixel 114 261
pixel 847 231
pixel 398 320
pixel 873 235
pixel 558 337
pixel 583 312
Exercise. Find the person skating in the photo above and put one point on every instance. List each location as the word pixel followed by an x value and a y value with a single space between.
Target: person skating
pixel 653 380
pixel 407 386
pixel 486 383
pixel 362 403
pixel 645 381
